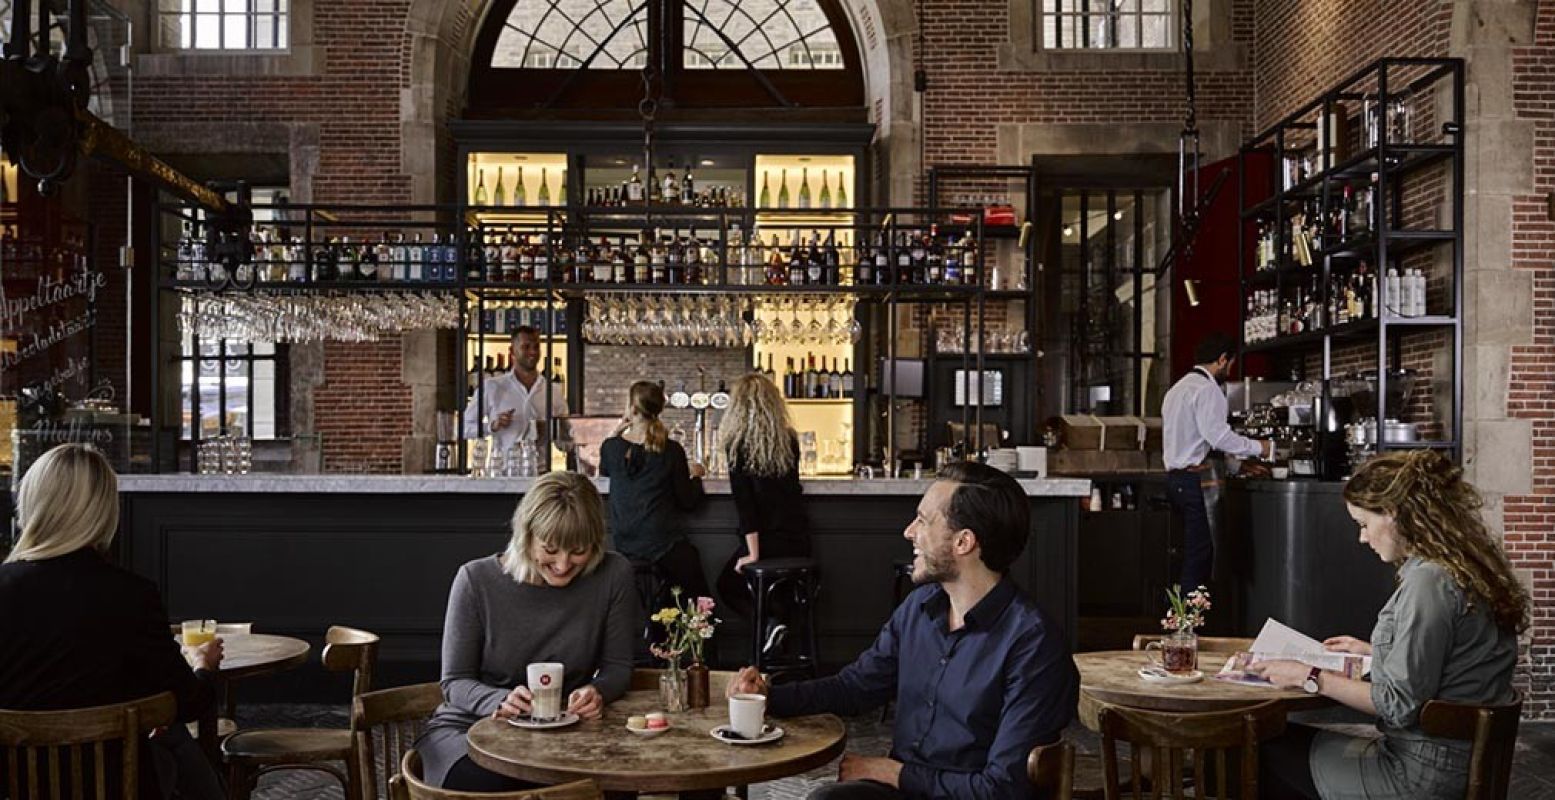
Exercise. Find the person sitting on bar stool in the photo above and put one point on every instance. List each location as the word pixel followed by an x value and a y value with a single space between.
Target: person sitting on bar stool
pixel 81 632
pixel 1193 423
pixel 762 451
pixel 1449 632
pixel 979 673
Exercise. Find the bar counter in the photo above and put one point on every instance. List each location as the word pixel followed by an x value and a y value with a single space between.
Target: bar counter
pixel 298 553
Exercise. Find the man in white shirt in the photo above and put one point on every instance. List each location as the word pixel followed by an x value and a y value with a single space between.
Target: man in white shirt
pixel 511 400
pixel 1193 423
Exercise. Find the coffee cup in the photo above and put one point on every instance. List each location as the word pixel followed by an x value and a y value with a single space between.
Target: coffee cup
pixel 747 714
pixel 545 691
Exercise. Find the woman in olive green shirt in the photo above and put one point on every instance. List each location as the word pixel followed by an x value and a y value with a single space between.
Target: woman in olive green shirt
pixel 1449 632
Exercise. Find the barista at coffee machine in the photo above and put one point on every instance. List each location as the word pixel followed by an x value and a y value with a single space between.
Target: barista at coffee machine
pixel 1194 423
pixel 510 401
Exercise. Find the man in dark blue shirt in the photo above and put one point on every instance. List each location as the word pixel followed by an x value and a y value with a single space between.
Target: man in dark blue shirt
pixel 980 675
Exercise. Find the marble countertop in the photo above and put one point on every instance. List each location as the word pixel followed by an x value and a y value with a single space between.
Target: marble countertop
pixel 448 484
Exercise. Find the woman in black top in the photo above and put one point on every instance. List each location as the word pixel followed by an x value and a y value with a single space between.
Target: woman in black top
pixel 650 485
pixel 762 450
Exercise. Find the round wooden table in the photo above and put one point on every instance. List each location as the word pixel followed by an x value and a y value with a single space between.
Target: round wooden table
pixel 248 654
pixel 684 759
pixel 1112 677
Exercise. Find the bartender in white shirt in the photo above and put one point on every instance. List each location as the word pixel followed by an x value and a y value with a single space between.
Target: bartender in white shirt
pixel 511 400
pixel 1193 423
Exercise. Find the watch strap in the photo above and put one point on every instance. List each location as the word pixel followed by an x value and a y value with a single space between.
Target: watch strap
pixel 1311 685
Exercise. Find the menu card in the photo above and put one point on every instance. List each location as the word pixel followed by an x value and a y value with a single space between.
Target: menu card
pixel 1279 641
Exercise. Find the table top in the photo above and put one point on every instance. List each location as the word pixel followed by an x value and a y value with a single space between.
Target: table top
pixel 683 759
pixel 248 654
pixel 1112 676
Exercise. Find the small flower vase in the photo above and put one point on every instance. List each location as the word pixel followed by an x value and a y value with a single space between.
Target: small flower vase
pixel 672 689
pixel 1176 652
pixel 697 679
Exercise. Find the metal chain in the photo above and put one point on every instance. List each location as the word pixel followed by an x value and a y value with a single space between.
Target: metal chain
pixel 1191 122
pixel 648 109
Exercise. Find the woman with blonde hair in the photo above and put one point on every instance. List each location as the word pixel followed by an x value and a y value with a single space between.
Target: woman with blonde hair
pixel 762 450
pixel 554 594
pixel 650 485
pixel 1449 632
pixel 82 632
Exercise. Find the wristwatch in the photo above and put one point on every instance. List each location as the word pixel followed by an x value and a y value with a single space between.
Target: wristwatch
pixel 1310 684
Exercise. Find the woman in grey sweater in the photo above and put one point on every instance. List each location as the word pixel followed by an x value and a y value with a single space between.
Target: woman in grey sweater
pixel 1448 632
pixel 555 594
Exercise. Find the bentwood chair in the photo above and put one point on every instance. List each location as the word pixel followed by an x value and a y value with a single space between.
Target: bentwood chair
pixel 1217 741
pixel 81 752
pixel 249 754
pixel 1050 768
pixel 1493 731
pixel 408 785
pixel 385 724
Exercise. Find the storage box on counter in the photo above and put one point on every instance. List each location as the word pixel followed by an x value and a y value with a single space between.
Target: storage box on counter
pixel 1090 462
pixel 1089 432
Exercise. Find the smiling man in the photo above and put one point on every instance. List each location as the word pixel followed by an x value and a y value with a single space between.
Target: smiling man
pixel 980 675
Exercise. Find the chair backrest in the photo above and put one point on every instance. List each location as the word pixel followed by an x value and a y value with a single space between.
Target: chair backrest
pixel 1050 767
pixel 47 751
pixel 354 650
pixel 409 786
pixel 648 680
pixel 1214 739
pixel 1492 729
pixel 1207 644
pixel 384 725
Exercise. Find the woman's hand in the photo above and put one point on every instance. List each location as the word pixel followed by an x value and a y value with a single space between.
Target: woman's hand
pixel 698 471
pixel 1347 644
pixel 586 702
pixel 739 564
pixel 515 705
pixel 206 656
pixel 626 422
pixel 1282 673
pixel 747 681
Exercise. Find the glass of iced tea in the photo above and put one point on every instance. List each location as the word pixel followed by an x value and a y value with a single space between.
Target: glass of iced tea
pixel 198 631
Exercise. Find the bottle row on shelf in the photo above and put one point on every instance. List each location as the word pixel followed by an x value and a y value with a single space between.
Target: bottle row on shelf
pixel 1396 120
pixel 495 365
pixel 805 380
pixel 657 257
pixel 519 195
pixel 1350 298
pixel 504 320
pixel 68 252
pixel 1312 225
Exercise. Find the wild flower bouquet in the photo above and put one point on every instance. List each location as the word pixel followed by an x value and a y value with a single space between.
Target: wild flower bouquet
pixel 688 624
pixel 1187 612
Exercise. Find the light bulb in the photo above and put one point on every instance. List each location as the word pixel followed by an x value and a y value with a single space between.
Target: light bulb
pixel 1068 230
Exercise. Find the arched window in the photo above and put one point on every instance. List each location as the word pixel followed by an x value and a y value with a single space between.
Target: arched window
pixel 558 54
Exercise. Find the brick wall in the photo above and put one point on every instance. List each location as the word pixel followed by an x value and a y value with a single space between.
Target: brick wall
pixel 1530 519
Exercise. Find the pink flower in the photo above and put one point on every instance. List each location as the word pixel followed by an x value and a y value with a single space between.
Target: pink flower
pixel 704 605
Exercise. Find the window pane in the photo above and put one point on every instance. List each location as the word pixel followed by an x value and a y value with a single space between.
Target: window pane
pixel 207 31
pixel 264 399
pixel 207 6
pixel 236 31
pixel 772 34
pixel 543 34
pixel 264 31
pixel 1158 31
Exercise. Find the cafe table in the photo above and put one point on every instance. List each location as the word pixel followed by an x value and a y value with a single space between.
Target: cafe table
pixel 246 655
pixel 1111 677
pixel 683 759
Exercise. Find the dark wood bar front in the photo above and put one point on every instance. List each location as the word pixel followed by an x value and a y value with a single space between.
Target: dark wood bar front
pixel 296 554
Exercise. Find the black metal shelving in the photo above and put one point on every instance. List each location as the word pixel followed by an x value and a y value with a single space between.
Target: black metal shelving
pixel 1431 88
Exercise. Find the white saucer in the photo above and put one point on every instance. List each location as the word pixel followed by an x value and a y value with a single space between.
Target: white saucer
pixel 722 733
pixel 648 733
pixel 526 723
pixel 1157 675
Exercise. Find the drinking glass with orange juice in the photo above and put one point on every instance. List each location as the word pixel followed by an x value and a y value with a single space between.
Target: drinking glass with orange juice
pixel 198 631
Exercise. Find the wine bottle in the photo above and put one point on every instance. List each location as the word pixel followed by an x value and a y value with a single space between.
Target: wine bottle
pixel 804 188
pixel 847 378
pixel 825 190
pixel 545 188
pixel 480 187
pixel 842 191
pixel 561 189
pixel 783 189
pixel 766 191
pixel 499 196
pixel 519 196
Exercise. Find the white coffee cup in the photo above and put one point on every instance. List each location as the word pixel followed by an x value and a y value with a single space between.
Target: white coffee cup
pixel 747 713
pixel 545 690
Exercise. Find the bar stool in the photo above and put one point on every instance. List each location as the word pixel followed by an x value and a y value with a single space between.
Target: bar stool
pixel 800 577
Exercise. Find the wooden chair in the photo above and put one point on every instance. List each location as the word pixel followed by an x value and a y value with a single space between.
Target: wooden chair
pixel 1050 767
pixel 1212 737
pixel 385 725
pixel 250 754
pixel 226 723
pixel 34 741
pixel 408 786
pixel 1492 729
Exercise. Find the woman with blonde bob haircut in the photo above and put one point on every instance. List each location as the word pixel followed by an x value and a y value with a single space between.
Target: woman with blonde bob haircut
pixel 553 595
pixel 762 451
pixel 94 634
pixel 1449 632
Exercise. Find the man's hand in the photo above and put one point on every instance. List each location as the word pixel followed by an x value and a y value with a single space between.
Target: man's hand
pixel 864 768
pixel 1254 469
pixel 502 421
pixel 1282 673
pixel 747 681
pixel 586 702
pixel 516 704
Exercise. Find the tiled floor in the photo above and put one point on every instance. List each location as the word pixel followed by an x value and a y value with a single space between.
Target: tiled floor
pixel 1533 775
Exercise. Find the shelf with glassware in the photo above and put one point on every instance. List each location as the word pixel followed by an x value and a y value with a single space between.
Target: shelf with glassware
pixel 1349 248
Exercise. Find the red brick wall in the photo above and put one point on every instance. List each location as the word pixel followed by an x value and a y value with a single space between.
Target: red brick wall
pixel 1530 519
pixel 363 407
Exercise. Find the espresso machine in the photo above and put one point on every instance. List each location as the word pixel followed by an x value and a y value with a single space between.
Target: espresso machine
pixel 704 437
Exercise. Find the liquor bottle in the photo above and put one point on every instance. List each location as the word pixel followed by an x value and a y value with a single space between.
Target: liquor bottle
pixel 783 189
pixel 833 259
pixel 510 265
pixel 815 263
pixel 556 373
pixel 825 190
pixel 864 263
pixel 882 269
pixel 765 200
pixel 519 196
pixel 634 186
pixel 604 262
pixel 842 191
pixel 545 188
pixel 543 259
pixel 675 260
pixel 804 188
pixel 693 255
pixel 847 378
pixel 671 186
pixel 499 195
pixel 526 260
pixel 935 259
pixel 657 268
pixel 688 187
pixel 639 272
pixel 777 266
pixel 797 256
pixel 415 267
pixel 480 187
